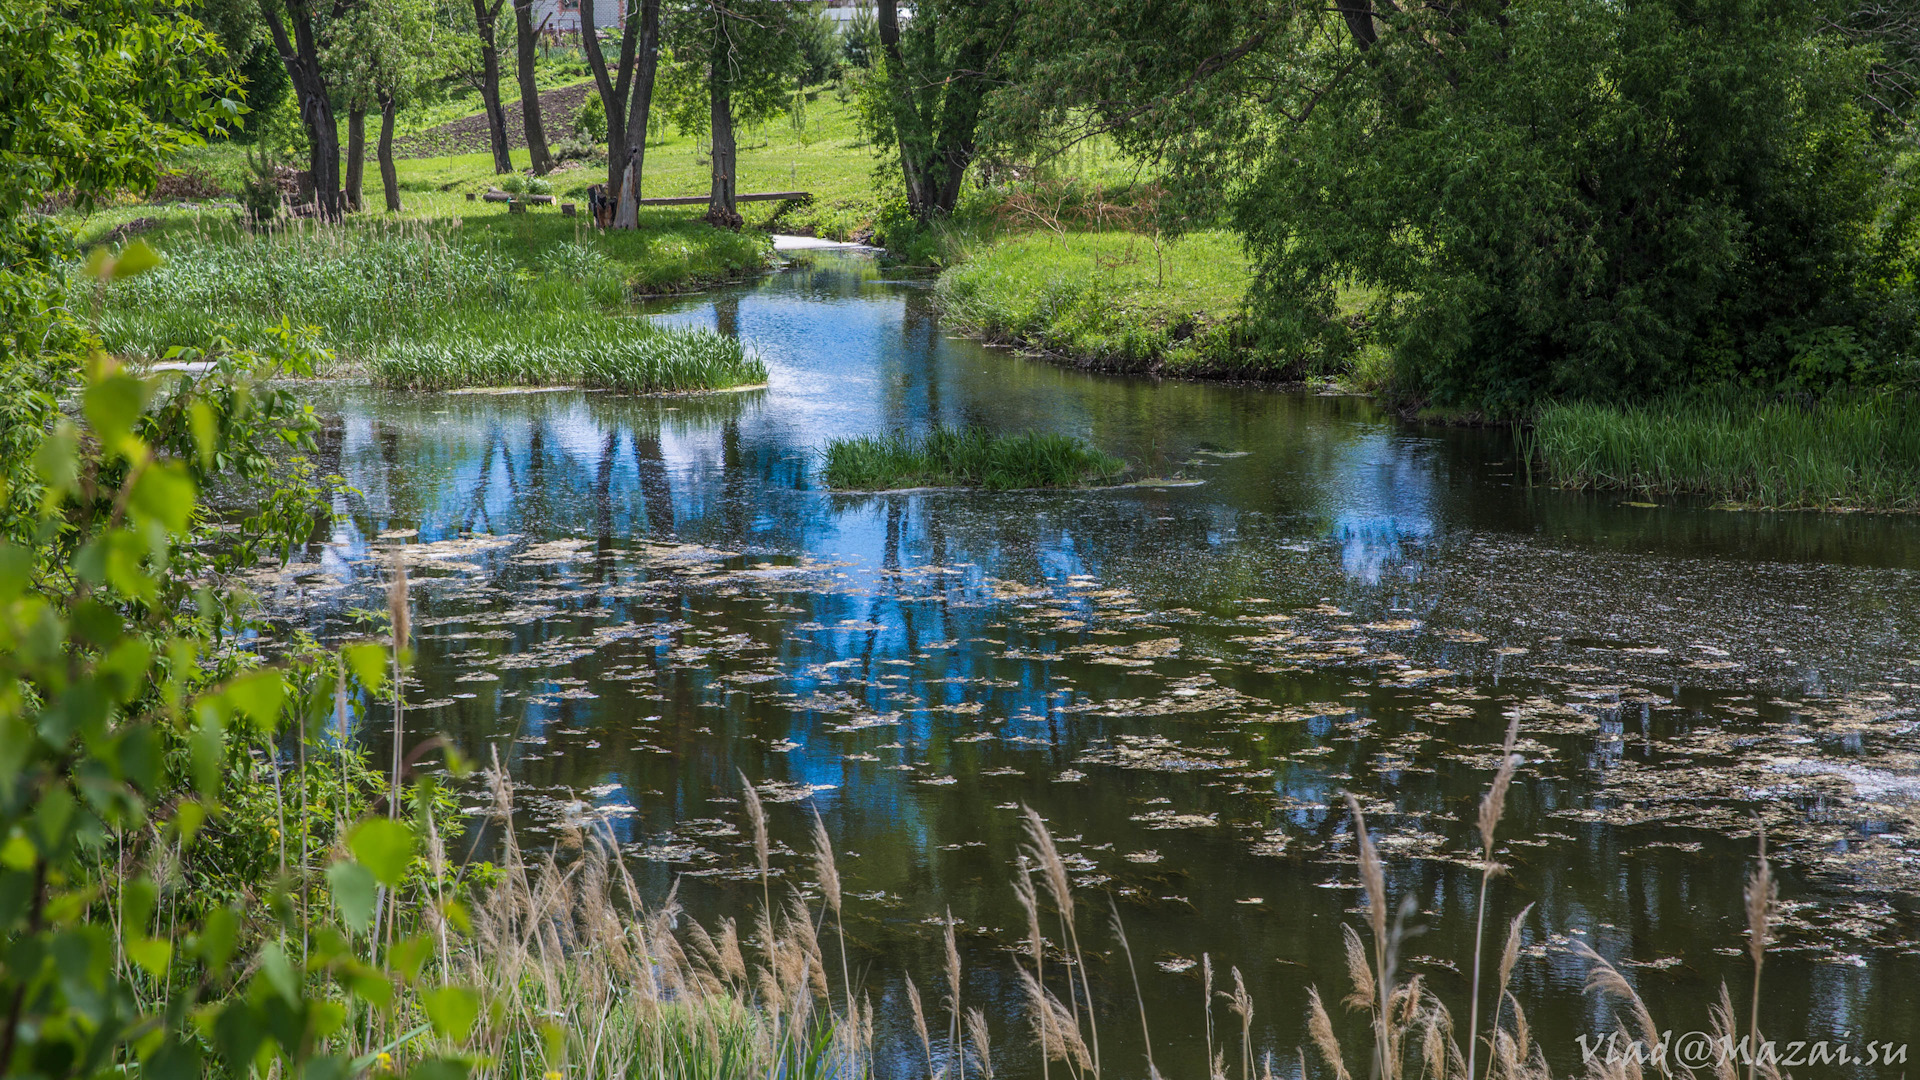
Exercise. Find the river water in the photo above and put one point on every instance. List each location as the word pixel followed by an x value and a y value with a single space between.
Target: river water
pixel 635 600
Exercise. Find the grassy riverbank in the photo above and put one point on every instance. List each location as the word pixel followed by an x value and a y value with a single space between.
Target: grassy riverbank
pixel 1853 451
pixel 418 305
pixel 966 457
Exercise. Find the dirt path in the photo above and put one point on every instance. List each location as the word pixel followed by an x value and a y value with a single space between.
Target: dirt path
pixel 468 135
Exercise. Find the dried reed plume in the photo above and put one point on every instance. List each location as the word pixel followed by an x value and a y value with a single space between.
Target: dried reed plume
pixel 920 1022
pixel 1492 805
pixel 953 997
pixel 829 874
pixel 1053 872
pixel 1146 1037
pixel 1242 1006
pixel 762 850
pixel 1763 896
pixel 977 1035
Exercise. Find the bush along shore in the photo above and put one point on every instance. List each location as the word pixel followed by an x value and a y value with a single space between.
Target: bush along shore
pixel 412 306
pixel 965 457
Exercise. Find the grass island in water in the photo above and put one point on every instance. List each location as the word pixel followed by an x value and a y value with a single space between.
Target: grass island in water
pixel 416 306
pixel 965 457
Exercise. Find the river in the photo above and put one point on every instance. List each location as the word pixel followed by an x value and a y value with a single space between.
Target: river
pixel 635 600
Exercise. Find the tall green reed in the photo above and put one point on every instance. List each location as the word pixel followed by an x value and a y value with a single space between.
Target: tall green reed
pixel 1844 451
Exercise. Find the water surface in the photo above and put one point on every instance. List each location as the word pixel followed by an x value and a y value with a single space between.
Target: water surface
pixel 633 601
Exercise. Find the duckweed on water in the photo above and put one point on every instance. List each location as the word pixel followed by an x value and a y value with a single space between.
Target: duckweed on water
pixel 968 456
pixel 418 308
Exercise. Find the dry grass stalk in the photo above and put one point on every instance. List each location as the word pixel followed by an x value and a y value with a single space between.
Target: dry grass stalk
pixel 920 1022
pixel 1492 806
pixel 1320 1029
pixel 1053 872
pixel 953 997
pixel 1763 897
pixel 1242 1006
pixel 829 874
pixel 1146 1037
pixel 977 1035
pixel 1058 1030
pixel 1206 999
pixel 1023 891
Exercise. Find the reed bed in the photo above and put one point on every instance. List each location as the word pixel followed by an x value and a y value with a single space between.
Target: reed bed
pixel 1848 451
pixel 1413 1034
pixel 969 457
pixel 415 306
pixel 578 976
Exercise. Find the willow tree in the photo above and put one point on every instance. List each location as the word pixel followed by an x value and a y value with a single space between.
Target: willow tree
pixel 1586 198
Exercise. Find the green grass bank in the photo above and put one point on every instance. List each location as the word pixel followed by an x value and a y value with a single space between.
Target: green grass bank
pixel 418 305
pixel 1858 451
pixel 967 457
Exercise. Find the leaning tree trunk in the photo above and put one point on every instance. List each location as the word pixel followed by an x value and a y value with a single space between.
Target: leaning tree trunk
pixel 356 154
pixel 389 177
pixel 484 17
pixel 301 55
pixel 524 47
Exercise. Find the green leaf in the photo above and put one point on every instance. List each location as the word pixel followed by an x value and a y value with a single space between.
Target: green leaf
pixel 278 972
pixel 58 460
pixel 209 752
pixel 134 259
pixel 258 695
pixel 409 955
pixel 206 432
pixel 153 954
pixel 368 664
pixel 385 847
pixel 112 404
pixel 355 893
pixel 164 493
pixel 16 566
pixel 218 933
pixel 452 1009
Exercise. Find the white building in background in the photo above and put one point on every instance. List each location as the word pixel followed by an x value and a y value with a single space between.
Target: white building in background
pixel 563 16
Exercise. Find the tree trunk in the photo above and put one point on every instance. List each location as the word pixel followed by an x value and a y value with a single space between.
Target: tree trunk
pixel 389 178
pixel 484 17
pixel 722 210
pixel 301 55
pixel 910 130
pixel 936 140
pixel 613 94
pixel 640 109
pixel 356 155
pixel 524 54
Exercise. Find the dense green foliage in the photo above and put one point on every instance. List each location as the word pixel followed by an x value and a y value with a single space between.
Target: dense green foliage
pixel 1579 198
pixel 1591 199
pixel 1847 451
pixel 967 456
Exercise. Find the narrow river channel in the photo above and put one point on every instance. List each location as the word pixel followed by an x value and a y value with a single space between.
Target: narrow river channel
pixel 634 600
